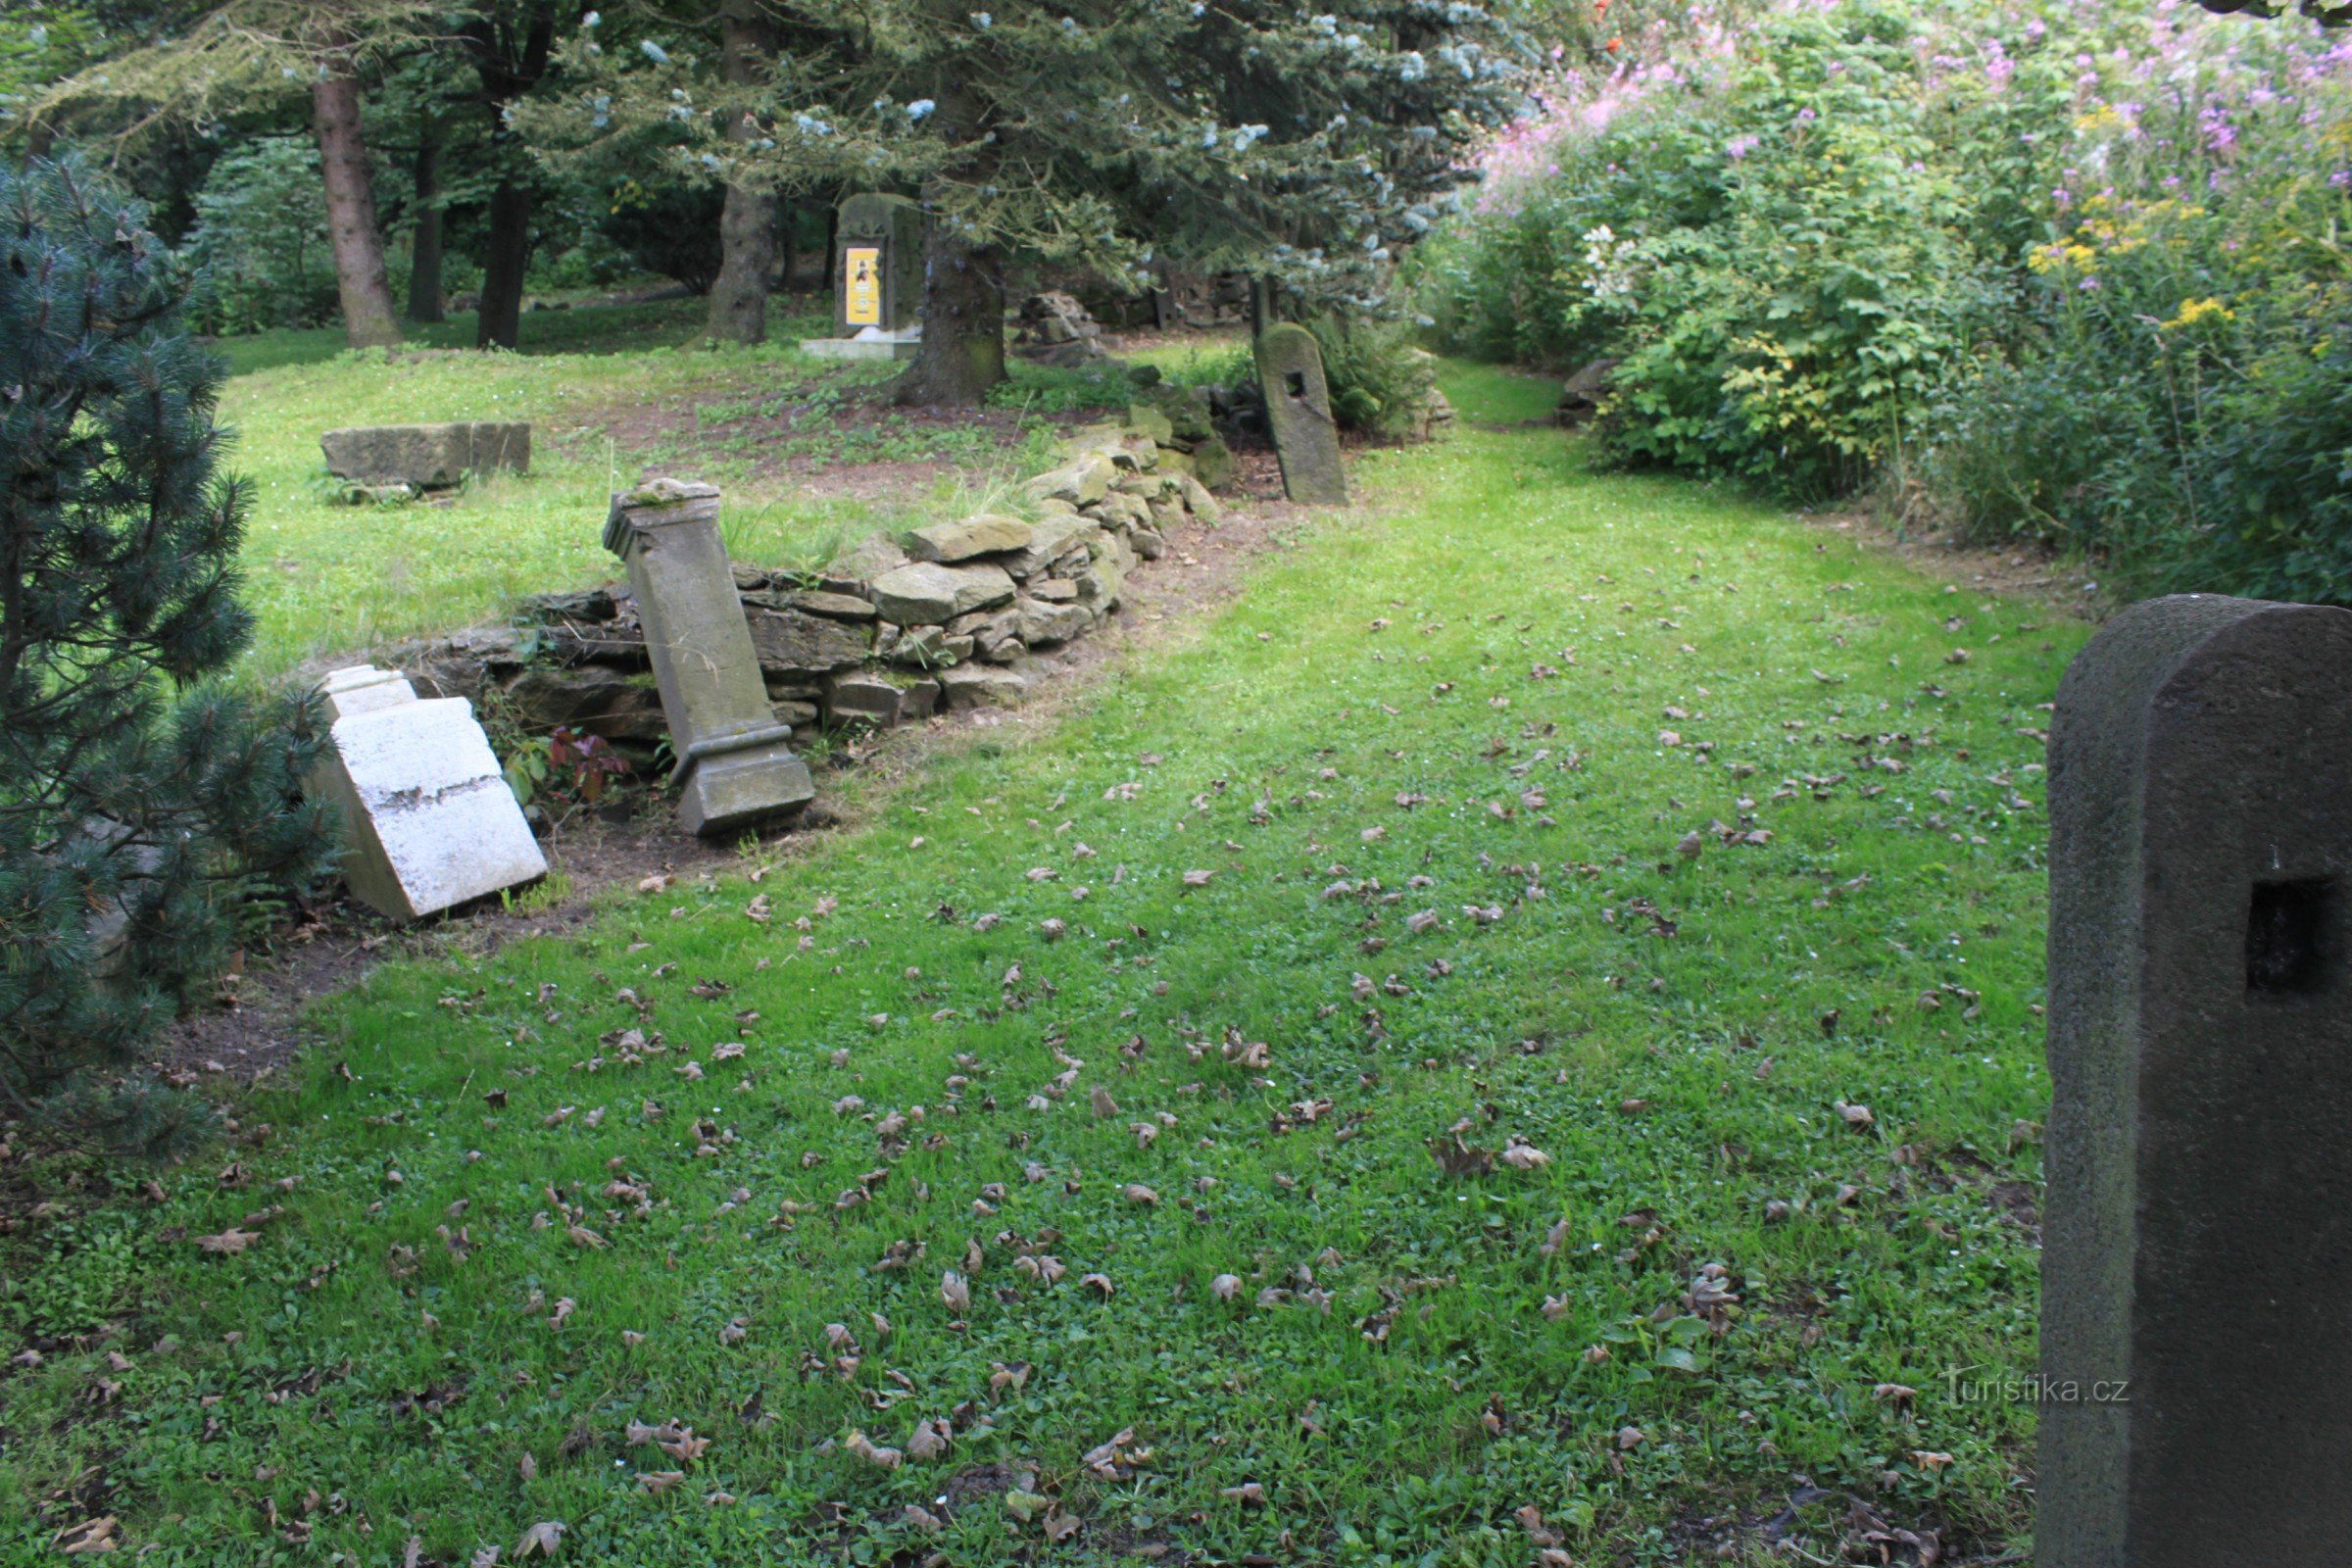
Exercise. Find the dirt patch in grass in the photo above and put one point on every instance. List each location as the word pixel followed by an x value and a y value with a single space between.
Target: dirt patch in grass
pixel 252 1024
pixel 853 440
pixel 2013 572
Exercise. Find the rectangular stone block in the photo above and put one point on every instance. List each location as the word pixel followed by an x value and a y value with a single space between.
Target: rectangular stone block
pixel 2196 1383
pixel 428 820
pixel 429 457
pixel 1289 370
pixel 735 764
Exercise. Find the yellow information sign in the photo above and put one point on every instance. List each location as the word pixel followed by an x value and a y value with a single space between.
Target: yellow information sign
pixel 861 294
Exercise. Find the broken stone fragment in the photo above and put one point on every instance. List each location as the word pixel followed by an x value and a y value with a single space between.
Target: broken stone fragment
pixel 987 534
pixel 1043 622
pixel 862 698
pixel 1049 541
pixel 983 685
pixel 920 700
pixel 428 822
pixel 925 593
pixel 788 641
pixel 836 607
pixel 429 457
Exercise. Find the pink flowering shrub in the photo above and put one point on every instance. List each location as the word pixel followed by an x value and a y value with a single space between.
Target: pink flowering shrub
pixel 2077 266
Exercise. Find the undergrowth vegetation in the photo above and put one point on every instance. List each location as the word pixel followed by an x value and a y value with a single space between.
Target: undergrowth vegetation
pixel 2062 273
pixel 1520 1035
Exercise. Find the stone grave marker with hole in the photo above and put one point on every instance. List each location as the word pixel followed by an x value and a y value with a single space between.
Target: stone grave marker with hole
pixel 735 763
pixel 2195 1392
pixel 428 819
pixel 878 281
pixel 1289 370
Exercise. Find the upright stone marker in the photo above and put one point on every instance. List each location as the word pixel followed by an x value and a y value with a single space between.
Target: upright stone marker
pixel 1290 369
pixel 878 287
pixel 734 760
pixel 2196 1397
pixel 428 819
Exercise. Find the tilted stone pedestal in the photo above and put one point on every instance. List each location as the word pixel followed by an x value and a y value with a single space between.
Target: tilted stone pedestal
pixel 735 763
pixel 2195 1399
pixel 428 819
pixel 1289 371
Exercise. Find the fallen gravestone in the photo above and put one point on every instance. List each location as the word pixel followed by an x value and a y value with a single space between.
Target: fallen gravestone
pixel 2196 1385
pixel 878 294
pixel 1290 369
pixel 735 763
pixel 381 459
pixel 428 819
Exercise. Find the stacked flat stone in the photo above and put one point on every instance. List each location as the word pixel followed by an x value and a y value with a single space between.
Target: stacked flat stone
pixel 889 632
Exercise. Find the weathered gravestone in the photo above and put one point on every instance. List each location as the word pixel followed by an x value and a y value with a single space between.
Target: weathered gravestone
pixel 426 457
pixel 428 819
pixel 1289 370
pixel 878 281
pixel 734 760
pixel 2196 1379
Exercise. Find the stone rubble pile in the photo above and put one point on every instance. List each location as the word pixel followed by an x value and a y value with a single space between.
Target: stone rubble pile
pixel 1053 328
pixel 889 631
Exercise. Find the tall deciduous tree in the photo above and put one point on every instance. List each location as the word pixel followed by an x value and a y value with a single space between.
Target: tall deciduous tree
pixel 1299 142
pixel 250 51
pixel 508 43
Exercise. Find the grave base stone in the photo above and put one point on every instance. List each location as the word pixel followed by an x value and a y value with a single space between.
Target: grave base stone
pixel 426 457
pixel 2195 1400
pixel 428 819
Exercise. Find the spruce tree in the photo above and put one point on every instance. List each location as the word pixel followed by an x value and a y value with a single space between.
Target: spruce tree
pixel 1303 142
pixel 143 803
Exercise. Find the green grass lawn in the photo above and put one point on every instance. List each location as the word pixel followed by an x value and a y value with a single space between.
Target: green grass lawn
pixel 610 392
pixel 1046 1171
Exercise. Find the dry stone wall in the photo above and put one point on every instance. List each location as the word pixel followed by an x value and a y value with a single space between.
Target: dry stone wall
pixel 894 629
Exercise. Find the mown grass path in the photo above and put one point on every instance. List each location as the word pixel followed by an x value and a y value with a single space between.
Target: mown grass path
pixel 906 1176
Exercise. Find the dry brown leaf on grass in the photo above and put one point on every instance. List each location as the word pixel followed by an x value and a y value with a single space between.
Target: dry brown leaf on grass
pixel 955 1291
pixel 1225 1286
pixel 90 1536
pixel 858 1444
pixel 228 1244
pixel 542 1537
pixel 1104 1460
pixel 930 1440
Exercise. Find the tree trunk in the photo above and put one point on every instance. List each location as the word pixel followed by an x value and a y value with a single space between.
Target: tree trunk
pixel 424 246
pixel 1261 304
pixel 747 227
pixel 963 323
pixel 787 252
pixel 500 323
pixel 367 319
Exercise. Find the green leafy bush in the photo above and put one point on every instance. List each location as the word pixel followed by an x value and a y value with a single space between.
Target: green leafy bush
pixel 260 244
pixel 2071 271
pixel 1379 377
